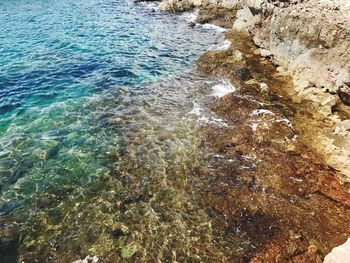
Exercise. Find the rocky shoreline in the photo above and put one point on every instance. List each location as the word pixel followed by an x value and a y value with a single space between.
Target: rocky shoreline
pixel 244 159
pixel 290 186
pixel 289 63
pixel 314 56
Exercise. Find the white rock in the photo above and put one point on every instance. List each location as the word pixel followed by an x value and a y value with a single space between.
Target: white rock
pixel 339 254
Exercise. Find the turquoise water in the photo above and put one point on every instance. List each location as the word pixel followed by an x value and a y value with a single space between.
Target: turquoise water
pixel 57 61
pixel 83 83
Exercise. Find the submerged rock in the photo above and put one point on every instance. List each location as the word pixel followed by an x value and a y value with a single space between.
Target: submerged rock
pixel 8 208
pixel 129 250
pixel 8 250
pixel 16 175
pixel 270 197
pixel 53 151
pixel 305 53
pixel 118 233
pixel 191 24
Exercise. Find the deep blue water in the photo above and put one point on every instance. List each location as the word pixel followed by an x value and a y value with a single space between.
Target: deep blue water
pixel 78 79
pixel 55 50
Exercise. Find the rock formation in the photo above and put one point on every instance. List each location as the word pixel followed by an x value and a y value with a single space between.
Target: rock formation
pixel 310 41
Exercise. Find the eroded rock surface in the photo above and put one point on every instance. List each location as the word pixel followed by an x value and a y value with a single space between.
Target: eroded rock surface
pixel 310 40
pixel 272 194
pixel 217 15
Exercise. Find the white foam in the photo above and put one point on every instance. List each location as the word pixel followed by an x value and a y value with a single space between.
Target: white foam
pixel 264 86
pixel 212 120
pixel 214 27
pixel 286 121
pixel 87 259
pixel 254 126
pixel 222 46
pixel 340 254
pixel 218 156
pixel 190 17
pixel 222 89
pixel 196 110
pixel 262 112
pixel 151 5
pixel 203 118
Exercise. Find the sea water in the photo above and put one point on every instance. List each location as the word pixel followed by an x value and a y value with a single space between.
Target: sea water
pixel 95 96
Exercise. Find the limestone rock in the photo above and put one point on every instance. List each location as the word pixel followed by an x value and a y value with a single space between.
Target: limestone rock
pixel 339 254
pixel 175 6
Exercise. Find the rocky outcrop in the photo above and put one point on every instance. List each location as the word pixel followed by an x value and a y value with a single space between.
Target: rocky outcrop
pixel 177 5
pixel 310 41
pixel 275 187
pixel 217 15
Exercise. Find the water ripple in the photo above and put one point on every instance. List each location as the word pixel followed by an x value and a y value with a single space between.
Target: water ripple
pixel 80 80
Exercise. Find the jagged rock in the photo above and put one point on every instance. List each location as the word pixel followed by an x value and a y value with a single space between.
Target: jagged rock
pixel 291 177
pixel 243 74
pixel 344 95
pixel 217 15
pixel 175 6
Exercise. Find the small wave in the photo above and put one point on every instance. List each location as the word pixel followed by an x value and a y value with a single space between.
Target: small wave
pixel 221 46
pixel 150 5
pixel 214 27
pixel 203 118
pixel 262 112
pixel 222 89
pixel 285 121
pixel 196 110
pixel 190 17
pixel 254 126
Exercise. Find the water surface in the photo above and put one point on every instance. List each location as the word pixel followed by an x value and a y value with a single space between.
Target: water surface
pixel 95 114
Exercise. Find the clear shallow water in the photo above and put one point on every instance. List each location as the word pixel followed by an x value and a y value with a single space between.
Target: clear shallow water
pixel 55 60
pixel 81 84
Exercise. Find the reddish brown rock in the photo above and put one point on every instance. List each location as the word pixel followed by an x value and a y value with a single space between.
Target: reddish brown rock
pixel 273 196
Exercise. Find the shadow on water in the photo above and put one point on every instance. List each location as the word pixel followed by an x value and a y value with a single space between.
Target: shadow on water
pixel 9 233
pixel 9 251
